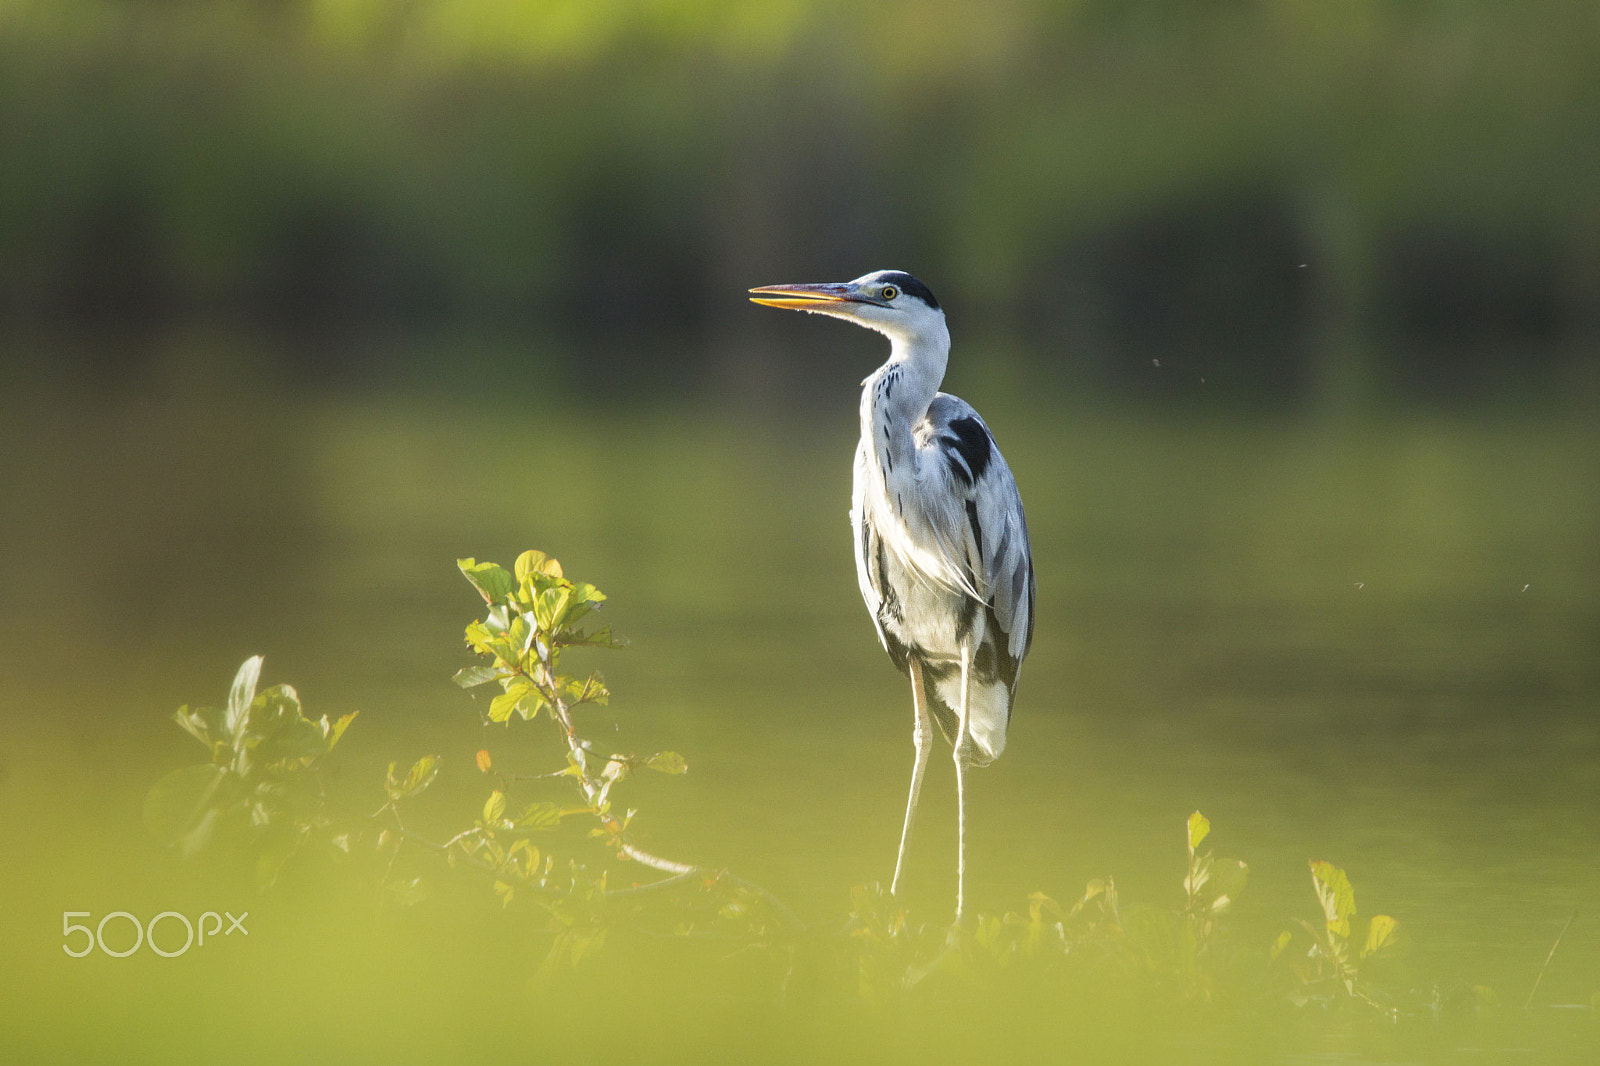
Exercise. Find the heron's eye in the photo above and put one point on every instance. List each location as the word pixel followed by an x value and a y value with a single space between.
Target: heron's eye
pixel 890 292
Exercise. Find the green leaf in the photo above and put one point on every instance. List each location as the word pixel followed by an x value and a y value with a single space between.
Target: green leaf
pixel 531 704
pixel 520 635
pixel 277 733
pixel 600 638
pixel 422 773
pixel 1338 899
pixel 241 695
pixel 533 563
pixel 486 641
pixel 492 582
pixel 494 807
pixel 419 777
pixel 668 762
pixel 541 815
pixel 202 723
pixel 1040 906
pixel 1199 826
pixel 573 614
pixel 581 599
pixel 517 689
pixel 524 845
pixel 1381 933
pixel 473 676
pixel 616 770
pixel 336 730
pixel 180 803
pixel 590 690
pixel 1279 944
pixel 550 606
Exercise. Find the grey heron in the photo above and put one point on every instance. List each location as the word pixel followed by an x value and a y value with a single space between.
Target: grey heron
pixel 941 544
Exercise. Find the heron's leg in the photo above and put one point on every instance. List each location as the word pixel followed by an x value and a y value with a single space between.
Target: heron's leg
pixel 922 737
pixel 962 759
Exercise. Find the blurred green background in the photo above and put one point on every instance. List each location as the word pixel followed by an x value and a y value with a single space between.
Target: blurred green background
pixel 1284 313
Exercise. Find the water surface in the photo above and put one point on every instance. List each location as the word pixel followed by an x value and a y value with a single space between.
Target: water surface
pixel 1373 644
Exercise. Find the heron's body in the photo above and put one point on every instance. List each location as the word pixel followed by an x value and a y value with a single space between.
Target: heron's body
pixel 941 544
pixel 942 556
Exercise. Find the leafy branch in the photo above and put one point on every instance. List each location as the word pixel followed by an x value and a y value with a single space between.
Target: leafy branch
pixel 264 778
pixel 1332 958
pixel 534 616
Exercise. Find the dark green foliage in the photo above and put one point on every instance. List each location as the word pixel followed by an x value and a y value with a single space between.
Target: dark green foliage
pixel 1146 177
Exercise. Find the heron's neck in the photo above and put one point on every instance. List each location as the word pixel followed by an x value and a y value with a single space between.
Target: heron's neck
pixel 896 397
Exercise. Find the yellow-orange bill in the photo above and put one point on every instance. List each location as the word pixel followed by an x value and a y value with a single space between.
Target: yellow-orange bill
pixel 800 297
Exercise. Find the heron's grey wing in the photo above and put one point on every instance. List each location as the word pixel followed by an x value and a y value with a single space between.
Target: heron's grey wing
pixel 989 529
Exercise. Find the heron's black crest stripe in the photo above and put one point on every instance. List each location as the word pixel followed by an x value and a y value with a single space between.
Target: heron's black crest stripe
pixel 909 285
pixel 977 529
pixel 972 441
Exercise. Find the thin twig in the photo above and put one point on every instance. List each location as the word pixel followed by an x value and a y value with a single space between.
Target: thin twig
pixel 594 791
pixel 653 886
pixel 1529 1001
pixel 656 862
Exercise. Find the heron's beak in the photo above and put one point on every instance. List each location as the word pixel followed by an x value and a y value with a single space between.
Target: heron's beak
pixel 804 297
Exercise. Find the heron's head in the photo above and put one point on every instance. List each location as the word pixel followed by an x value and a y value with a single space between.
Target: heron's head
pixel 889 301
